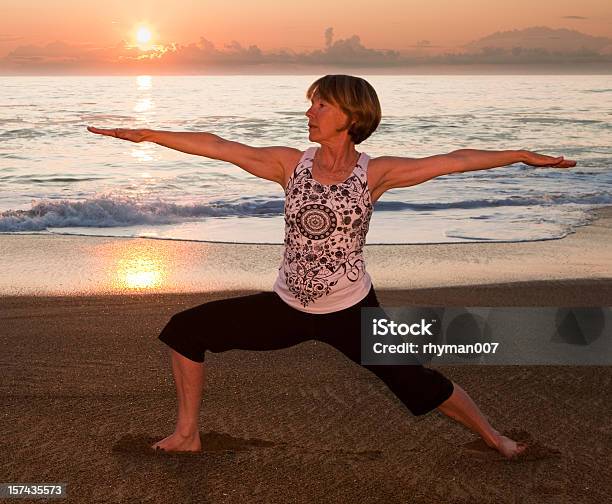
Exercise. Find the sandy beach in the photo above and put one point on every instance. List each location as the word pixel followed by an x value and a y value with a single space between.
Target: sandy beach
pixel 86 386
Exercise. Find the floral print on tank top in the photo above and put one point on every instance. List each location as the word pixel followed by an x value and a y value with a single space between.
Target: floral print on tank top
pixel 325 230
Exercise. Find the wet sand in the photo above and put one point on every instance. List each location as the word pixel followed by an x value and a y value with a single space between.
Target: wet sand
pixel 86 388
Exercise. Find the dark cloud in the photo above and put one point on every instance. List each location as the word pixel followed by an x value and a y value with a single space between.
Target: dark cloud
pixel 350 51
pixel 531 46
pixel 574 17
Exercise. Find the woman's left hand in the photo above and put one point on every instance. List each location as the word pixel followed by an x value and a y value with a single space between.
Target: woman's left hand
pixel 543 161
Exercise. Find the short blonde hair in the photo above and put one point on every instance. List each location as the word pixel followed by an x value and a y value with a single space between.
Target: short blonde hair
pixel 355 97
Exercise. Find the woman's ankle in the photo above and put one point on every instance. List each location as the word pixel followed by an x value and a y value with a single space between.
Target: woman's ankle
pixel 492 439
pixel 187 431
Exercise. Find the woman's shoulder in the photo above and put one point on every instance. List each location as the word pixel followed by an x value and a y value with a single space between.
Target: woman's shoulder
pixel 377 166
pixel 291 158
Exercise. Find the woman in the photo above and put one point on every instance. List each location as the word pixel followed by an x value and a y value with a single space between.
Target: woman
pixel 322 282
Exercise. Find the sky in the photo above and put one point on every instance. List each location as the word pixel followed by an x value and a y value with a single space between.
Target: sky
pixel 77 35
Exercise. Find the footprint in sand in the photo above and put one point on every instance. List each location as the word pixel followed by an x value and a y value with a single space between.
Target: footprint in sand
pixel 534 451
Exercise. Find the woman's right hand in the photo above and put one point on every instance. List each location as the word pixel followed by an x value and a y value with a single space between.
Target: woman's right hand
pixel 133 135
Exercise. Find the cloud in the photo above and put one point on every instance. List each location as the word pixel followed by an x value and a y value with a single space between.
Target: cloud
pixel 541 37
pixel 530 46
pixel 574 17
pixel 54 51
pixel 329 36
pixel 349 51
pixel 426 44
pixel 5 37
pixel 341 52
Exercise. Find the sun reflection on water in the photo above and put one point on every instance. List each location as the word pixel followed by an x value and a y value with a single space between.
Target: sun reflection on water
pixel 144 82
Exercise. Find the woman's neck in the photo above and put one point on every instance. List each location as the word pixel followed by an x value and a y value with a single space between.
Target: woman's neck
pixel 336 160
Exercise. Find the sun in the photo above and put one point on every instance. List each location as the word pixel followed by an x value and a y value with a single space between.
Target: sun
pixel 143 35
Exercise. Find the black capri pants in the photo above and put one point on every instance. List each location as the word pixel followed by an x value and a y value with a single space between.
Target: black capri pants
pixel 263 321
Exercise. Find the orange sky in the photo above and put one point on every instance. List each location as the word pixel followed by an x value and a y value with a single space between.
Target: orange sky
pixel 74 36
pixel 271 24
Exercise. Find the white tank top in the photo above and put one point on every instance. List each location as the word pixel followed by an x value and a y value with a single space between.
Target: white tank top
pixel 323 269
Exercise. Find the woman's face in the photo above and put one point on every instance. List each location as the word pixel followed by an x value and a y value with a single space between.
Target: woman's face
pixel 324 119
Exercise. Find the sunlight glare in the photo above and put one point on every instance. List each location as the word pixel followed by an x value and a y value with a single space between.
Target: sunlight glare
pixel 140 271
pixel 143 35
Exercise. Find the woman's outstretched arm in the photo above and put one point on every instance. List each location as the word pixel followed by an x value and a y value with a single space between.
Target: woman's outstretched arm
pixel 475 159
pixel 404 172
pixel 264 162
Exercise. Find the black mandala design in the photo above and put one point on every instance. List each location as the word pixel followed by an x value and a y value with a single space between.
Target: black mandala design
pixel 324 242
pixel 316 221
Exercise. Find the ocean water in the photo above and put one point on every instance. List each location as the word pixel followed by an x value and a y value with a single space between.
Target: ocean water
pixel 56 177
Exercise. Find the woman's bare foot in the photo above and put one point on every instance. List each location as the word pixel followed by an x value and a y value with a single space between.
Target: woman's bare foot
pixel 506 446
pixel 178 442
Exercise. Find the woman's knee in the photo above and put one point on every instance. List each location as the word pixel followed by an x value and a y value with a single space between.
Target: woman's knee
pixel 183 335
pixel 420 389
